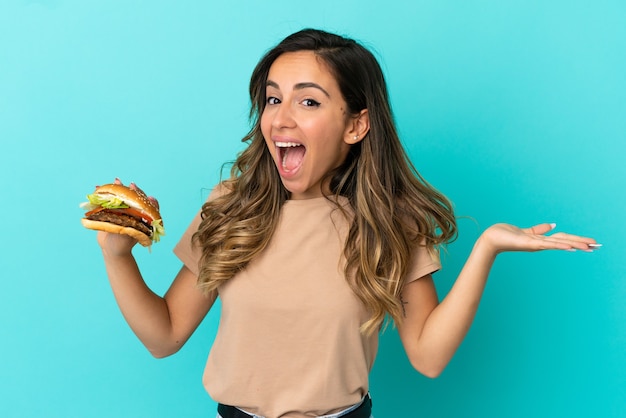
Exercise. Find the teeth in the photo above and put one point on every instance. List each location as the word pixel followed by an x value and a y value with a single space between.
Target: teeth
pixel 287 144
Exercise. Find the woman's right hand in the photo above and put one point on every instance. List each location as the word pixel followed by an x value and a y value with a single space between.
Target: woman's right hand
pixel 115 244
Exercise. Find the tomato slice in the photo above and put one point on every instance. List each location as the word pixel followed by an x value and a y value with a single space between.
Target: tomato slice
pixel 136 214
pixel 96 210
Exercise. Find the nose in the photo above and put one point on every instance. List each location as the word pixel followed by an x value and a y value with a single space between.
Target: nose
pixel 282 116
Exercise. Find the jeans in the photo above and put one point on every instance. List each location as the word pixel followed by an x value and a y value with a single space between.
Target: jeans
pixel 335 415
pixel 219 416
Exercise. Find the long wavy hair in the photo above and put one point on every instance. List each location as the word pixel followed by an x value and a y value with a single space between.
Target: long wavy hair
pixel 394 208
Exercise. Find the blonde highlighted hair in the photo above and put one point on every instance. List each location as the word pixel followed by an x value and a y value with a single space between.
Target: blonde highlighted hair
pixel 395 209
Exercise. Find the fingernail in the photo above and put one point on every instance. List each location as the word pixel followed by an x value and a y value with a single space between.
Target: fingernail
pixel 552 225
pixel 571 250
pixel 595 245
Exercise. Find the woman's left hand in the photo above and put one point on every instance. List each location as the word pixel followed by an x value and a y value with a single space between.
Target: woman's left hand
pixel 504 237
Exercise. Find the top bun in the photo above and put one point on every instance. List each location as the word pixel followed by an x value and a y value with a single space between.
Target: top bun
pixel 132 197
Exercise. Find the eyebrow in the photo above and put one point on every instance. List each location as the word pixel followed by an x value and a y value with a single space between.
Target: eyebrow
pixel 300 86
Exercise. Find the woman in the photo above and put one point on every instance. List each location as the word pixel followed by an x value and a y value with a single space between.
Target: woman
pixel 323 229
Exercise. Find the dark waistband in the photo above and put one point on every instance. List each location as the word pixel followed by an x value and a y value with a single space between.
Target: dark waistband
pixel 362 411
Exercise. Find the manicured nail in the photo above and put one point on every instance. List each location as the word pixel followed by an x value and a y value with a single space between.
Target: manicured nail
pixel 595 245
pixel 552 225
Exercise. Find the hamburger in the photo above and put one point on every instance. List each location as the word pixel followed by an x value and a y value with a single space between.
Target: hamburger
pixel 123 210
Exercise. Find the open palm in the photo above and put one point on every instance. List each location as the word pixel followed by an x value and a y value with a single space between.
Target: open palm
pixel 505 237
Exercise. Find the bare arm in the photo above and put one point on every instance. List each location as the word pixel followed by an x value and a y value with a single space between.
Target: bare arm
pixel 431 331
pixel 163 324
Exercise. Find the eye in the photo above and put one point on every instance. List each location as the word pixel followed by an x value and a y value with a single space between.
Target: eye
pixel 272 100
pixel 310 103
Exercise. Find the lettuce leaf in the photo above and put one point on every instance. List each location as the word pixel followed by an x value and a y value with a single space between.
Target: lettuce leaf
pixel 157 230
pixel 109 202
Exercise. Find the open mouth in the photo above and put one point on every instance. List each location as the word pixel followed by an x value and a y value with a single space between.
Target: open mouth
pixel 290 155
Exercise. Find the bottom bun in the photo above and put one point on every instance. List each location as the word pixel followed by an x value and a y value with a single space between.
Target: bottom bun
pixel 142 238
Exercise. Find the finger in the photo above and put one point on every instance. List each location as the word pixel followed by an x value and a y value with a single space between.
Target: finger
pixel 154 201
pixel 573 242
pixel 564 235
pixel 540 229
pixel 577 242
pixel 136 188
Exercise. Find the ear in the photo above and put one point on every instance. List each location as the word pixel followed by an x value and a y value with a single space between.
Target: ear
pixel 358 127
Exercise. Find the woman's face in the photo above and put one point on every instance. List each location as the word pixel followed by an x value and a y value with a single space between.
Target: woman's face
pixel 306 124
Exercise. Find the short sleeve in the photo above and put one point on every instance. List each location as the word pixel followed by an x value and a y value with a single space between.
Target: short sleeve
pixel 186 250
pixel 424 261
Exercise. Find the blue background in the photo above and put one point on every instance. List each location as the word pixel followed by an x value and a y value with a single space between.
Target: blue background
pixel 516 110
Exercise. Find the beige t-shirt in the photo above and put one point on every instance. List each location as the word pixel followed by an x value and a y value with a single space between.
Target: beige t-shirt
pixel 288 342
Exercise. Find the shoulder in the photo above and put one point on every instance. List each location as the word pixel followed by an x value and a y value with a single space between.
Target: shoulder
pixel 219 190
